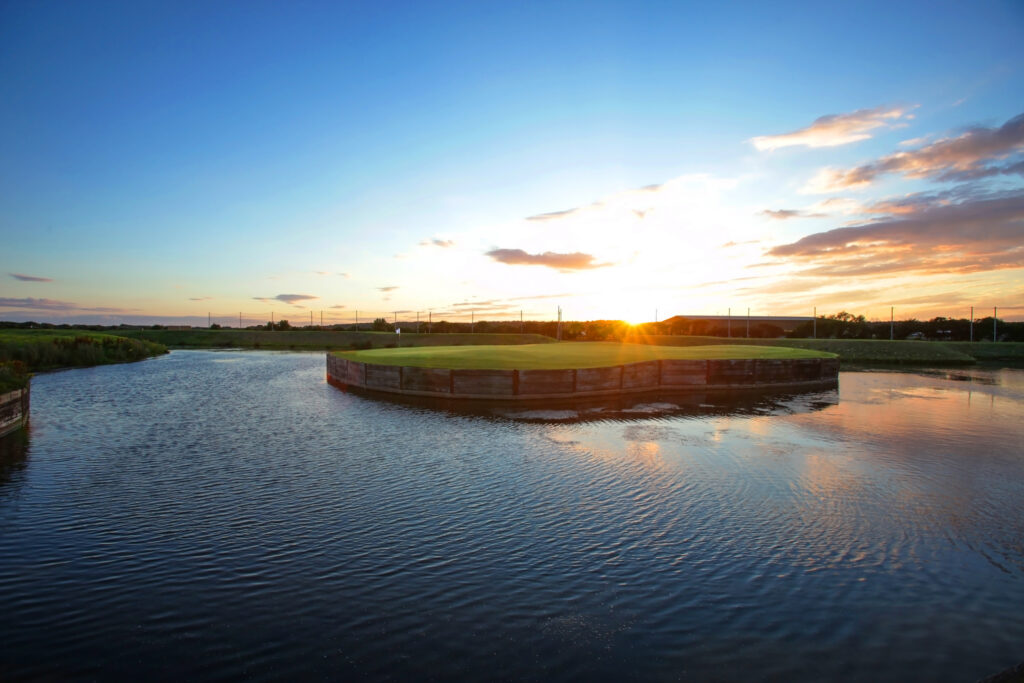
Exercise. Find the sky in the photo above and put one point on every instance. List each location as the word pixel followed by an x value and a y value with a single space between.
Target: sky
pixel 169 161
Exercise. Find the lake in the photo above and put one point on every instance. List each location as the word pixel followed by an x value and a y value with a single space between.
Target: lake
pixel 216 515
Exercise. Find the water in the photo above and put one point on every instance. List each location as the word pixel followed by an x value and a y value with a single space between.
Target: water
pixel 217 515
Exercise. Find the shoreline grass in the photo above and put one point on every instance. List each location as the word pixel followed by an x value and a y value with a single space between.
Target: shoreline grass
pixel 563 355
pixel 42 350
pixel 319 340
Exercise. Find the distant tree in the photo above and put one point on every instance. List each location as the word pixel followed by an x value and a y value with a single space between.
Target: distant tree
pixel 381 325
pixel 215 326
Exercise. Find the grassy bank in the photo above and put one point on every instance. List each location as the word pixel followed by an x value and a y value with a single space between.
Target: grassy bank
pixel 319 339
pixel 51 349
pixel 13 375
pixel 562 355
pixel 868 351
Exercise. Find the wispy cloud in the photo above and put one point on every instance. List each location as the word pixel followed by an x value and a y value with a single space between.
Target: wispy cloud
pixel 973 154
pixel 292 299
pixel 561 262
pixel 540 296
pixel 836 129
pixel 200 298
pixel 337 306
pixel 552 215
pixel 29 278
pixel 32 304
pixel 389 288
pixel 436 242
pixel 784 214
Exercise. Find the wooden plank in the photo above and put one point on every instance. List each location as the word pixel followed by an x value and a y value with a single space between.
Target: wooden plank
pixel 598 379
pixel 546 381
pixel 676 373
pixel 641 375
pixel 437 380
pixel 725 372
pixel 483 382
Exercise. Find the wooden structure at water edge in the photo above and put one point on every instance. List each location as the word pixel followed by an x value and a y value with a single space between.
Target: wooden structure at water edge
pixel 13 411
pixel 630 378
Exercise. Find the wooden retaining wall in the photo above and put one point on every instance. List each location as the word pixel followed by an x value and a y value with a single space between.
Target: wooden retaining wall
pixel 13 410
pixel 658 375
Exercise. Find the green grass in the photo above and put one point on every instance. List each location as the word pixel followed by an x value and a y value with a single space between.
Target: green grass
pixel 51 349
pixel 561 355
pixel 867 351
pixel 319 339
pixel 13 375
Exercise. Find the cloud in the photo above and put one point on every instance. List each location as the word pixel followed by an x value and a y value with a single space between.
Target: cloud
pixel 551 215
pixel 783 214
pixel 836 129
pixel 390 288
pixel 930 234
pixel 200 298
pixel 477 303
pixel 54 305
pixel 29 278
pixel 561 262
pixel 434 241
pixel 292 299
pixel 337 306
pixel 540 296
pixel 731 243
pixel 969 156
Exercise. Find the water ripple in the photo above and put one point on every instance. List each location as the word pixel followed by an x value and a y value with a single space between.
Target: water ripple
pixel 216 515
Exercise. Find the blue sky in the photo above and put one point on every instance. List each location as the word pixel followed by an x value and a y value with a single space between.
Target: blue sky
pixel 170 159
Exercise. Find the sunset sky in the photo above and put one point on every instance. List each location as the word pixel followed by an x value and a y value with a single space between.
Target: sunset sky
pixel 159 161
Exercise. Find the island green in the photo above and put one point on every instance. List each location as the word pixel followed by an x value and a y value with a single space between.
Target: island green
pixel 565 355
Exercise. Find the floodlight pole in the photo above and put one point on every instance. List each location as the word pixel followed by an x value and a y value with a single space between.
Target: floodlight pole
pixel 995 317
pixel 892 323
pixel 814 328
pixel 972 323
pixel 357 320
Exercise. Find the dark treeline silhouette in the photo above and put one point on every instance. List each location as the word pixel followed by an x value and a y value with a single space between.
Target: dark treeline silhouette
pixel 840 325
pixel 844 325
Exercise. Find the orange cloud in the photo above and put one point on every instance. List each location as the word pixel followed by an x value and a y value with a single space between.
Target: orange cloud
pixel 969 156
pixel 836 129
pixel 930 234
pixel 561 262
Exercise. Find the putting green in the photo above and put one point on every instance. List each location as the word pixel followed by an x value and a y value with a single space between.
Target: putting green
pixel 563 355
